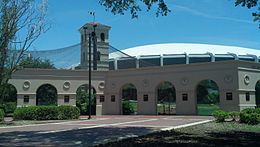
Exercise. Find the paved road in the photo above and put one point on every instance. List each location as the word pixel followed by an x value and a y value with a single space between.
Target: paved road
pixel 89 132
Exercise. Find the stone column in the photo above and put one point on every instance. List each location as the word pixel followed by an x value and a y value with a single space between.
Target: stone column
pixel 21 99
pixel 99 104
pixel 186 105
pixel 71 97
pixel 146 103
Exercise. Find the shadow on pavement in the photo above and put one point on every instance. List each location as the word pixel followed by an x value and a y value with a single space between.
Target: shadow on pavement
pixel 80 137
pixel 183 139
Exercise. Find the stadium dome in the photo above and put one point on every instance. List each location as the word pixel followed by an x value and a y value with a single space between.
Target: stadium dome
pixel 179 53
pixel 182 48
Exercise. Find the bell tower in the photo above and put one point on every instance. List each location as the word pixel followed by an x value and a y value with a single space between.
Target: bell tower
pixel 102 43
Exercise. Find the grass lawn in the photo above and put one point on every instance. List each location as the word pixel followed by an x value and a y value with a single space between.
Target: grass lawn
pixel 207 109
pixel 209 134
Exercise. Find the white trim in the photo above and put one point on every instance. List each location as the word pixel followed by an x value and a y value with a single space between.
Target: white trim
pixel 186 125
pixel 246 105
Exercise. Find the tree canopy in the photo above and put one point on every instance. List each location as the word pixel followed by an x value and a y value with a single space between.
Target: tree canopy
pixel 36 63
pixel 251 4
pixel 135 6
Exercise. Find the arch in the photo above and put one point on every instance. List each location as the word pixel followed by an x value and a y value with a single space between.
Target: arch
pixel 82 99
pixel 102 36
pixel 129 102
pixel 166 98
pixel 257 94
pixel 8 93
pixel 46 94
pixel 207 94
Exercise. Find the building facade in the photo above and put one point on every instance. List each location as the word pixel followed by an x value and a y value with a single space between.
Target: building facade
pixel 235 79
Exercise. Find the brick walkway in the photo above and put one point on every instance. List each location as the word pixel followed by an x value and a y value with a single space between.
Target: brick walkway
pixel 88 132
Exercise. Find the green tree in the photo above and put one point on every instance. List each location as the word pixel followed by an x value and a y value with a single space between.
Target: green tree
pixel 21 23
pixel 36 63
pixel 251 4
pixel 82 100
pixel 46 95
pixel 134 6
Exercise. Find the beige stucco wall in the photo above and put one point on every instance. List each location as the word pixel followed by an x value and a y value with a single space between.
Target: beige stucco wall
pixel 185 79
pixel 228 75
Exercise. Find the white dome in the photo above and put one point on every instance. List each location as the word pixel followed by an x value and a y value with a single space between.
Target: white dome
pixel 188 48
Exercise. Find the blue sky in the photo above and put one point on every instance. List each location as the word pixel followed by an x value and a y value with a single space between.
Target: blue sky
pixel 191 21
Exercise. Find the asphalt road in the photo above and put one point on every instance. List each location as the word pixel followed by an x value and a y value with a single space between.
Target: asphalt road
pixel 90 132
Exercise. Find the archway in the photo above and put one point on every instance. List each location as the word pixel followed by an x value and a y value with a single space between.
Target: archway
pixel 166 99
pixel 82 99
pixel 207 97
pixel 8 98
pixel 129 99
pixel 257 94
pixel 46 94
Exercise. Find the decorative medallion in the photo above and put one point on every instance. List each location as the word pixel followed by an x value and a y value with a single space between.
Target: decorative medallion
pixel 113 85
pixel 146 83
pixel 101 85
pixel 246 79
pixel 26 85
pixel 228 78
pixel 184 81
pixel 66 85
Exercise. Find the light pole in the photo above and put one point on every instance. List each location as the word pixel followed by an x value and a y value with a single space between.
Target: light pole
pixel 89 77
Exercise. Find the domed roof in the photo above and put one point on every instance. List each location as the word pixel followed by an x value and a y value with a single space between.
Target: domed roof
pixel 185 48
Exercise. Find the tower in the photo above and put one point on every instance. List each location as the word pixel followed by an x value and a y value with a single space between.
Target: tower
pixel 102 34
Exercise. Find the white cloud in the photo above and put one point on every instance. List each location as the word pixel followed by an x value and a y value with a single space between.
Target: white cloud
pixel 202 14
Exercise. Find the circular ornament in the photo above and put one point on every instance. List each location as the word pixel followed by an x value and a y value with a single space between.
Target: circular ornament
pixel 101 85
pixel 184 81
pixel 26 85
pixel 145 83
pixel 228 78
pixel 246 79
pixel 66 85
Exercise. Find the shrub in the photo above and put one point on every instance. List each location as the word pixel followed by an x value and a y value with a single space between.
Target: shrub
pixel 234 115
pixel 251 118
pixel 46 113
pixel 248 110
pixel 127 108
pixel 2 114
pixel 8 107
pixel 220 115
pixel 68 112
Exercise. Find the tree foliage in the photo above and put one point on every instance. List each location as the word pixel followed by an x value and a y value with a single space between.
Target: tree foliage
pixel 134 6
pixel 21 23
pixel 46 95
pixel 251 4
pixel 82 100
pixel 36 63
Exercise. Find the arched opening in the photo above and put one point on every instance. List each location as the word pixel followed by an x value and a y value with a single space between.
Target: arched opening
pixel 8 98
pixel 82 99
pixel 46 95
pixel 257 94
pixel 102 36
pixel 166 99
pixel 207 97
pixel 129 99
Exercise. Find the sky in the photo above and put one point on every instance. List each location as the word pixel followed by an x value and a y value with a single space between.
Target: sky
pixel 190 21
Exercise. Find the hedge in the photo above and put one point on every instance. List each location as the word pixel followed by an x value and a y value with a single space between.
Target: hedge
pixel 220 115
pixel 248 116
pixel 2 114
pixel 8 107
pixel 46 113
